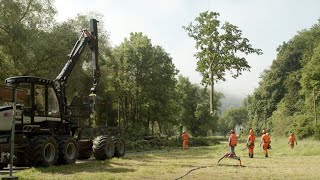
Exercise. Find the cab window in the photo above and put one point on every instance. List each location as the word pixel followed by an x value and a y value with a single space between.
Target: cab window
pixel 53 104
pixel 39 100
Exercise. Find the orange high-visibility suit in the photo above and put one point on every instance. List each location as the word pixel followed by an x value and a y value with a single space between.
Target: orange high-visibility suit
pixel 250 143
pixel 185 138
pixel 233 140
pixel 291 140
pixel 265 139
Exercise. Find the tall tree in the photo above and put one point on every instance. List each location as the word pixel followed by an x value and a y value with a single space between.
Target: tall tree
pixel 143 79
pixel 23 27
pixel 194 112
pixel 220 49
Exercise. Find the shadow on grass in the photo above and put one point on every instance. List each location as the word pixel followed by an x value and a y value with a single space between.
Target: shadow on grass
pixel 90 166
pixel 234 165
pixel 231 165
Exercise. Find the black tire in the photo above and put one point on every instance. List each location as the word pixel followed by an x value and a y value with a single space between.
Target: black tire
pixel 22 152
pixel 3 165
pixel 44 151
pixel 119 147
pixel 103 148
pixel 68 150
pixel 84 154
pixel 23 157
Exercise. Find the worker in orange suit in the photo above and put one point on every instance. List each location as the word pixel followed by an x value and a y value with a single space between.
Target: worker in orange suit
pixel 233 140
pixel 265 141
pixel 291 140
pixel 250 142
pixel 185 137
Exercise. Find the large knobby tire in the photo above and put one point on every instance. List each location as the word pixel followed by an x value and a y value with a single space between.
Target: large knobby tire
pixel 44 151
pixel 24 158
pixel 119 147
pixel 103 148
pixel 22 152
pixel 68 150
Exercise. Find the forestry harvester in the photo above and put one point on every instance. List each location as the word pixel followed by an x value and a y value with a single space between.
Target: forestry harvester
pixel 48 130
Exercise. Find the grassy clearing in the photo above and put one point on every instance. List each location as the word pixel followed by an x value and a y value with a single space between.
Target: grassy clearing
pixel 284 163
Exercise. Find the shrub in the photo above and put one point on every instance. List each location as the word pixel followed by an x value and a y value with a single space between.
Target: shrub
pixel 174 142
pixel 317 132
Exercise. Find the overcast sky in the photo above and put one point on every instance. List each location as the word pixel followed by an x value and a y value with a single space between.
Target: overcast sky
pixel 266 23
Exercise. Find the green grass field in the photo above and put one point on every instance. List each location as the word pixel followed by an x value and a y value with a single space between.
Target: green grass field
pixel 302 162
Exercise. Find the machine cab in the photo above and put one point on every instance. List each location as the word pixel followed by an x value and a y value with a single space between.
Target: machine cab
pixel 37 98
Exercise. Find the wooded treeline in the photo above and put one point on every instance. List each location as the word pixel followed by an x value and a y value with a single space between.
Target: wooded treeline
pixel 142 88
pixel 139 84
pixel 287 99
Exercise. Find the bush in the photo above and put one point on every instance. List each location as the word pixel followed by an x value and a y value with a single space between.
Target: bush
pixel 138 145
pixel 303 125
pixel 203 141
pixel 199 141
pixel 174 142
pixel 135 132
pixel 317 132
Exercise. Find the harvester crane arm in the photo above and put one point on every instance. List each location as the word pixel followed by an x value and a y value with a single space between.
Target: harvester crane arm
pixel 89 38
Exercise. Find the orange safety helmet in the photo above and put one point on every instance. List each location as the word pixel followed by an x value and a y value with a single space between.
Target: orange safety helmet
pixel 264 131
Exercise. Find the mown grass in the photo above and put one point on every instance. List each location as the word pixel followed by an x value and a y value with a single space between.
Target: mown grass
pixel 302 162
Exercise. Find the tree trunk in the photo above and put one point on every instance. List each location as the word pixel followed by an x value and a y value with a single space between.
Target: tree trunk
pixel 160 127
pixel 212 112
pixel 152 128
pixel 126 109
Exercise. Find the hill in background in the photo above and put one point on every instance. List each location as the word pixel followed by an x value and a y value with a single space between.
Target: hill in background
pixel 230 101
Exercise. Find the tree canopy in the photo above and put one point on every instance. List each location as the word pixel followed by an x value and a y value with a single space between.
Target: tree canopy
pixel 287 97
pixel 220 49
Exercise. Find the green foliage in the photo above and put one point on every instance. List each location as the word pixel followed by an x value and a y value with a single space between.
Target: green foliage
pixel 160 143
pixel 219 48
pixel 23 36
pixel 203 141
pixel 303 125
pixel 317 132
pixel 232 117
pixel 142 78
pixel 194 108
pixel 287 98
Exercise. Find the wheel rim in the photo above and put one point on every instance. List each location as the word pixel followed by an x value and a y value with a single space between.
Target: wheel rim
pixel 49 152
pixel 71 150
pixel 121 147
pixel 109 148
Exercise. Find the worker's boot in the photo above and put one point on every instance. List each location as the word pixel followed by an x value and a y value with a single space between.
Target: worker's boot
pixel 266 155
pixel 249 155
pixel 252 155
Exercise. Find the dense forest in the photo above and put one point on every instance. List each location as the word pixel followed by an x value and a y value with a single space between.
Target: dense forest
pixel 140 87
pixel 287 97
